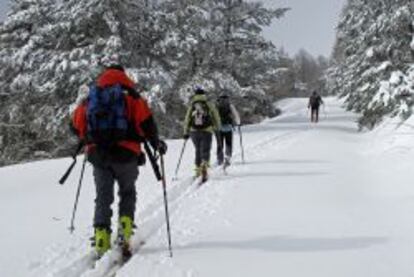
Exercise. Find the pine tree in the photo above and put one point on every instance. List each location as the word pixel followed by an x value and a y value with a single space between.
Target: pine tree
pixel 49 48
pixel 373 58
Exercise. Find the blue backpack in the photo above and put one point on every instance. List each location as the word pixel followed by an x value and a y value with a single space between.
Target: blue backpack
pixel 106 116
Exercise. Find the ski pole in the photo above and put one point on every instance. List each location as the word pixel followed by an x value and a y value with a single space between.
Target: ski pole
pixel 72 225
pixel 179 160
pixel 67 173
pixel 153 161
pixel 241 143
pixel 167 216
pixel 160 177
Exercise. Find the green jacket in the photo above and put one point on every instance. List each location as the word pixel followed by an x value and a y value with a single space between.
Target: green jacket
pixel 215 116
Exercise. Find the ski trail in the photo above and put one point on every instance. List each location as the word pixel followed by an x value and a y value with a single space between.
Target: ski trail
pixel 216 175
pixel 152 219
pixel 151 213
pixel 155 221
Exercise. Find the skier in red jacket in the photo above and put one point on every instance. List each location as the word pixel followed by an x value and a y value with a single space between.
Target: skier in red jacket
pixel 118 161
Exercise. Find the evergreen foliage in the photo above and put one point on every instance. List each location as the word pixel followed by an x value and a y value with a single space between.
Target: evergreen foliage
pixel 373 59
pixel 49 48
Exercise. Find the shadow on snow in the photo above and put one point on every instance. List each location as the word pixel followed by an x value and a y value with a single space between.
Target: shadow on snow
pixel 286 244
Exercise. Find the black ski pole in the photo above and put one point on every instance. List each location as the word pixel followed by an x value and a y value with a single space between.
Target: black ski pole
pixel 67 173
pixel 72 225
pixel 153 161
pixel 179 160
pixel 241 143
pixel 160 177
pixel 167 216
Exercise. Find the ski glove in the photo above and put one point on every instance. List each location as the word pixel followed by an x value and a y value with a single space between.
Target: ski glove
pixel 162 147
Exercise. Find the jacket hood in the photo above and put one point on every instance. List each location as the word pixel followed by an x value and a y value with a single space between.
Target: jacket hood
pixel 112 77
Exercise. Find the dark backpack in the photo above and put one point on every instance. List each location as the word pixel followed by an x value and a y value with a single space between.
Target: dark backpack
pixel 106 116
pixel 200 115
pixel 224 109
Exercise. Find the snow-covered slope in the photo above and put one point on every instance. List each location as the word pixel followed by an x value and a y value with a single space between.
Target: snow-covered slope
pixel 311 200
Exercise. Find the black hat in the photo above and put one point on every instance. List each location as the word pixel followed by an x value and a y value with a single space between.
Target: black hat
pixel 199 90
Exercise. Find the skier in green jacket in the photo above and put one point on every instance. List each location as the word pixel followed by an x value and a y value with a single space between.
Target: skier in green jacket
pixel 202 120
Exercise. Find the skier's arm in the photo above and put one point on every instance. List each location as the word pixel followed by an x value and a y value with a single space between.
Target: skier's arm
pixel 187 122
pixel 150 130
pixel 236 115
pixel 78 122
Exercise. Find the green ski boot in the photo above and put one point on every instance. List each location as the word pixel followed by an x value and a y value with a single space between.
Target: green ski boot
pixel 125 232
pixel 102 241
pixel 197 172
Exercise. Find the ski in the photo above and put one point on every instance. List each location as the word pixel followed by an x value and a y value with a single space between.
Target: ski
pixel 123 257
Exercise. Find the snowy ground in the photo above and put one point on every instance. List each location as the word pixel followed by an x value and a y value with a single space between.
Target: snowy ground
pixel 311 200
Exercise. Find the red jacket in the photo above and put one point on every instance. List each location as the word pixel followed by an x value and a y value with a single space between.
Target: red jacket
pixel 138 112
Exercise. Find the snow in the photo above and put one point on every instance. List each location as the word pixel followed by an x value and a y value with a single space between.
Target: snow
pixel 370 52
pixel 412 44
pixel 311 200
pixel 396 77
pixel 384 66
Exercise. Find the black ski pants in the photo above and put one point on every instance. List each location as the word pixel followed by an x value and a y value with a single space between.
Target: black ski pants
pixel 125 174
pixel 315 114
pixel 224 140
pixel 202 141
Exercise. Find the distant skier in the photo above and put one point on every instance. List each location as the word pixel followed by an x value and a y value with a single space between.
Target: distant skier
pixel 229 119
pixel 111 120
pixel 201 121
pixel 315 101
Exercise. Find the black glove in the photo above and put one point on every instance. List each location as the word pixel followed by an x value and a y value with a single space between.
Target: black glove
pixel 141 159
pixel 162 147
pixel 186 136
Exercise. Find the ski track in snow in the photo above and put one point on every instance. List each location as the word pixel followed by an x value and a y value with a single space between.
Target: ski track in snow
pixel 295 208
pixel 152 221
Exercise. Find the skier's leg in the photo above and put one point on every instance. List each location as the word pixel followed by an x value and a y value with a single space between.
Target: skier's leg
pixel 229 144
pixel 313 112
pixel 104 182
pixel 317 114
pixel 195 137
pixel 220 141
pixel 126 174
pixel 206 142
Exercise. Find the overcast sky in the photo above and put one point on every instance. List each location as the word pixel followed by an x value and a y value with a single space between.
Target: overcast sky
pixel 309 25
pixel 3 8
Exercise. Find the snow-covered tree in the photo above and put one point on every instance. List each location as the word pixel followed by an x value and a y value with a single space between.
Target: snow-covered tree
pixel 373 58
pixel 49 48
